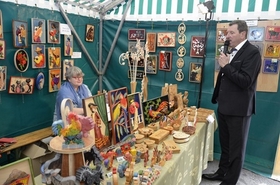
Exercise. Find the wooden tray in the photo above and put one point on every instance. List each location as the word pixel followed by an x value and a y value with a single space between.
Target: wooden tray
pixel 159 135
pixel 172 146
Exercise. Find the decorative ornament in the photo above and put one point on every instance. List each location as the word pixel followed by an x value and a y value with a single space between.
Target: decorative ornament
pixel 181 51
pixel 179 75
pixel 181 28
pixel 40 80
pixel 182 38
pixel 180 62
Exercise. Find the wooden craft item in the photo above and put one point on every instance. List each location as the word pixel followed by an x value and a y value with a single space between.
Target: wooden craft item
pixel 159 135
pixel 153 126
pixel 169 90
pixel 181 137
pixel 171 145
pixel 139 138
pixel 168 128
pixel 146 131
pixel 150 143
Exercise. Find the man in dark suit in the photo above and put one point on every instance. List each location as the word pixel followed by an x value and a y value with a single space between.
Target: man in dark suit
pixel 235 93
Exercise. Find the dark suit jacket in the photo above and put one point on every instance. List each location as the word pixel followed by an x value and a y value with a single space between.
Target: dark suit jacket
pixel 235 90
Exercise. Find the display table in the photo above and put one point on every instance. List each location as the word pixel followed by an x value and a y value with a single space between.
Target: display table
pixel 185 167
pixel 72 159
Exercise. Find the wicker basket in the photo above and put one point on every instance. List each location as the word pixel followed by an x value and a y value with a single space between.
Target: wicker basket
pixel 189 129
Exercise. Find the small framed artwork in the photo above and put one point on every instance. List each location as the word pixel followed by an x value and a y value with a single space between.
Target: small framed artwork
pixel 272 50
pixel 153 106
pixel 89 33
pixel 182 38
pixel 135 111
pixel 132 46
pixel 181 28
pixel 68 45
pixel 259 45
pixel 255 33
pixel 120 123
pixel 272 33
pixel 221 35
pixel 54 57
pixel 165 60
pixel 1 26
pixel 54 80
pixel 21 60
pixel 134 34
pixel 95 107
pixel 20 34
pixel 2 49
pixel 197 46
pixel 152 42
pixel 219 49
pixel 21 85
pixel 166 39
pixel 195 72
pixel 151 64
pixel 38 30
pixel 40 81
pixel 270 65
pixel 138 74
pixel 66 64
pixel 53 32
pixel 38 56
pixel 3 78
pixel 18 172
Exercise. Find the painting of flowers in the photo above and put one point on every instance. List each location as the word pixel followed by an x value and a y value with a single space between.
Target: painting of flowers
pixel 21 60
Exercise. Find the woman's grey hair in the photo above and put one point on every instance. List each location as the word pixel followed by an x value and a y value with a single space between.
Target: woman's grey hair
pixel 73 71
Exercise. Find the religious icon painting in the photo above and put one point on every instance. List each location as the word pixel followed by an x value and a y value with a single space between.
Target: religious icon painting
pixel 197 46
pixel 152 42
pixel 256 33
pixel 3 78
pixel 270 65
pixel 272 50
pixel 182 28
pixel 66 64
pixel 89 33
pixel 54 80
pixel 21 85
pixel 21 60
pixel 151 64
pixel 167 39
pixel 96 108
pixel 38 56
pixel 272 33
pixel 195 72
pixel 54 58
pixel 135 111
pixel 155 109
pixel 53 35
pixel 2 49
pixel 120 123
pixel 134 34
pixel 221 35
pixel 20 34
pixel 165 60
pixel 1 26
pixel 68 45
pixel 40 81
pixel 38 30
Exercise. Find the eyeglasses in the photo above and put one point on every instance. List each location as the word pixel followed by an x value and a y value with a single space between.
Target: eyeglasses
pixel 77 77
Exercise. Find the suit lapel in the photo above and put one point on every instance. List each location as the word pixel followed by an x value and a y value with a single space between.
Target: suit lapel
pixel 240 51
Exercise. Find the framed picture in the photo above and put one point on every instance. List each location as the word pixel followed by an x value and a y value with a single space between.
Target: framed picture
pixel 165 60
pixel 3 78
pixel 2 49
pixel 95 107
pixel 89 33
pixel 38 56
pixel 152 42
pixel 221 35
pixel 181 28
pixel 166 39
pixel 151 64
pixel 54 80
pixel 120 124
pixel 219 49
pixel 272 50
pixel 135 111
pixel 154 109
pixel 134 34
pixel 54 57
pixel 21 85
pixel 182 38
pixel 53 32
pixel 66 64
pixel 1 26
pixel 40 81
pixel 18 172
pixel 270 65
pixel 138 75
pixel 272 33
pixel 195 72
pixel 68 45
pixel 259 45
pixel 20 34
pixel 132 46
pixel 197 46
pixel 21 60
pixel 255 33
pixel 38 30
